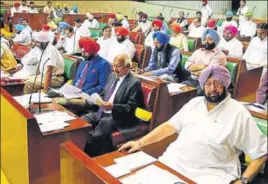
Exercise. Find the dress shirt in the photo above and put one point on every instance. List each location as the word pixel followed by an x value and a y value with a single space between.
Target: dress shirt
pixel 125 47
pixel 24 9
pixel 82 31
pixel 145 27
pixel 29 29
pixel 209 143
pixel 70 45
pixel 180 41
pixel 33 10
pixel 23 38
pixel 206 12
pixel 247 28
pixel 14 10
pixel 234 46
pixel 256 53
pixel 196 32
pixel 104 46
pixel 207 57
pixel 91 24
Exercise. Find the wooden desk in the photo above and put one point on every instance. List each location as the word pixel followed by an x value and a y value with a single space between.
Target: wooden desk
pixel 82 169
pixel 28 155
pixel 70 18
pixel 13 88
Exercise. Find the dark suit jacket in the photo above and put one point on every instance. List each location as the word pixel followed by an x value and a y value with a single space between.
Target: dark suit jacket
pixel 128 97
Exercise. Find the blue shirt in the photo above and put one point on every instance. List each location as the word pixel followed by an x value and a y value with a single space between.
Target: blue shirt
pixel 96 77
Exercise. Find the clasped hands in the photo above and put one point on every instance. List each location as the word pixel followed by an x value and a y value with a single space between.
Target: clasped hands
pixel 107 106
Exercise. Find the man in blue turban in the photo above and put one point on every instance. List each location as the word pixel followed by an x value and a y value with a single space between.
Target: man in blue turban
pixel 74 10
pixel 165 59
pixel 22 35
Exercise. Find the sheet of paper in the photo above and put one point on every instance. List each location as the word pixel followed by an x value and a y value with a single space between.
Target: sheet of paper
pixel 69 89
pixel 24 99
pixel 135 160
pixel 54 116
pixel 175 87
pixel 96 99
pixel 148 175
pixel 53 126
pixel 117 170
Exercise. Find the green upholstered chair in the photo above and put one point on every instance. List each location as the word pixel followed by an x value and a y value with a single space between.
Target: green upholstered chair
pixel 219 22
pixel 191 45
pixel 183 74
pixel 3 11
pixel 169 32
pixel 95 33
pixel 69 69
pixel 102 25
pixel 232 68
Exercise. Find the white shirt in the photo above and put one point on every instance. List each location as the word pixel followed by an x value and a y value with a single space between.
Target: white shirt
pixel 256 53
pixel 243 12
pixel 70 45
pixel 125 23
pixel 82 31
pixel 14 10
pixel 23 38
pixel 91 24
pixel 29 29
pixel 33 10
pixel 24 9
pixel 248 28
pixel 145 27
pixel 224 24
pixel 104 47
pixel 125 47
pixel 111 99
pixel 51 36
pixel 52 57
pixel 206 12
pixel 234 46
pixel 72 12
pixel 196 32
pixel 209 143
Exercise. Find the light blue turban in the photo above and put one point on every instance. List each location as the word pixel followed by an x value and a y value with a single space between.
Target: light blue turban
pixel 19 27
pixel 63 25
pixel 75 8
pixel 229 13
pixel 212 34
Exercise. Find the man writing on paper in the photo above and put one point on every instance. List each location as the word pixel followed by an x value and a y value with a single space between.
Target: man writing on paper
pixel 122 95
pixel 91 75
pixel 209 143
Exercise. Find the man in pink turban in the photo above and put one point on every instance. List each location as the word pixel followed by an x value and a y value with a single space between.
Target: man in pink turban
pixel 229 44
pixel 213 127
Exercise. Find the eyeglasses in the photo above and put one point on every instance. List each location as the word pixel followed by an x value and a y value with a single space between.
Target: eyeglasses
pixel 217 85
pixel 117 66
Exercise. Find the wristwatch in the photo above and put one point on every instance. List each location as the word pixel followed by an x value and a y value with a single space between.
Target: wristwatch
pixel 244 180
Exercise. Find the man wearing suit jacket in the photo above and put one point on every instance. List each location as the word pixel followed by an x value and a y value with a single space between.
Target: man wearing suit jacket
pixel 122 95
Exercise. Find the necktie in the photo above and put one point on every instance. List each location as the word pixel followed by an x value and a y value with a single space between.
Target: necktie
pixel 108 96
pixel 84 74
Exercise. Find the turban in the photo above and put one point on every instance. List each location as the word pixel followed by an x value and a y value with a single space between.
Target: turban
pixel 161 37
pixel 220 73
pixel 90 45
pixel 157 23
pixel 204 1
pixel 229 13
pixel 121 31
pixel 119 16
pixel 232 29
pixel 58 5
pixel 176 27
pixel 212 34
pixel 63 25
pixel 42 37
pixel 211 23
pixel 16 4
pixel 89 16
pixel 46 27
pixel 143 15
pixel 19 27
pixel 75 8
pixel 112 16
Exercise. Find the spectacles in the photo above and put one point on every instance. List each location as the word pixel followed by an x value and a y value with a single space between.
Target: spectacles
pixel 117 66
pixel 217 85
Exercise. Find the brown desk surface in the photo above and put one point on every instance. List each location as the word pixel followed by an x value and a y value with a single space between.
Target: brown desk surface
pixel 108 159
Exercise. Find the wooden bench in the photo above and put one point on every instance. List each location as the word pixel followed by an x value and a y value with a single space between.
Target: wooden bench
pixel 137 37
pixel 70 18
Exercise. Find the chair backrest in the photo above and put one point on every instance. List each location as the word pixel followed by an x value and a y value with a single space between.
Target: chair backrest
pixel 137 37
pixel 19 50
pixel 102 25
pixel 194 44
pixel 184 74
pixel 219 22
pixel 95 32
pixel 142 55
pixel 149 94
pixel 70 66
pixel 169 31
pixel 232 68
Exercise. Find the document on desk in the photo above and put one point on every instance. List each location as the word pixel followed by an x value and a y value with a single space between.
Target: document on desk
pixel 135 160
pixel 69 91
pixel 117 170
pixel 175 87
pixel 24 99
pixel 152 174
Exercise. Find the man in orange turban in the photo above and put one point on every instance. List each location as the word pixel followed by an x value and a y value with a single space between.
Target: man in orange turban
pixel 178 39
pixel 15 9
pixel 156 26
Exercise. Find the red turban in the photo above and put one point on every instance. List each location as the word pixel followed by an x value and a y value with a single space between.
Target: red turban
pixel 16 4
pixel 122 31
pixel 205 1
pixel 232 29
pixel 46 27
pixel 112 16
pixel 144 15
pixel 211 23
pixel 90 45
pixel 157 23
pixel 176 27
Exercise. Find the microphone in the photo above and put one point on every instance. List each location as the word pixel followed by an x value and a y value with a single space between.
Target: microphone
pixel 171 11
pixel 187 15
pixel 42 76
pixel 253 10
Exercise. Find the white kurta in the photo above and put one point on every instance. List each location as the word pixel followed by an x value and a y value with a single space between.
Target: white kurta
pixel 206 12
pixel 23 38
pixel 145 27
pixel 256 53
pixel 149 41
pixel 33 10
pixel 209 143
pixel 126 47
pixel 234 46
pixel 82 31
pixel 196 32
pixel 29 29
pixel 125 23
pixel 24 9
pixel 70 45
pixel 14 10
pixel 91 24
pixel 243 11
pixel 248 28
pixel 104 47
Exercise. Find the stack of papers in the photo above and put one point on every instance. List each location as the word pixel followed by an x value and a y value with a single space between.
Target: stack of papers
pixel 175 87
pixel 54 120
pixel 152 175
pixel 24 99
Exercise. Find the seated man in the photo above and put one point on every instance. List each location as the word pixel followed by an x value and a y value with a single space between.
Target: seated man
pixel 90 22
pixel 247 27
pixel 74 10
pixel 8 62
pixel 204 57
pixel 80 30
pixel 198 14
pixel 196 30
pixel 53 26
pixel 15 9
pixel 46 28
pixel 32 9
pixel 229 44
pixel 91 75
pixel 122 95
pixel 178 39
pixel 111 19
pixel 70 43
pixel 50 67
pixel 211 135
pixel 262 92
pixel 229 21
pixel 61 30
pixel 22 35
pixel 164 60
pixel 121 18
pixel 156 26
pixel 121 45
pixel 144 25
pixel 164 27
pixel 256 53
pixel 26 26
pixel 182 21
pixel 105 42
pixel 24 8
